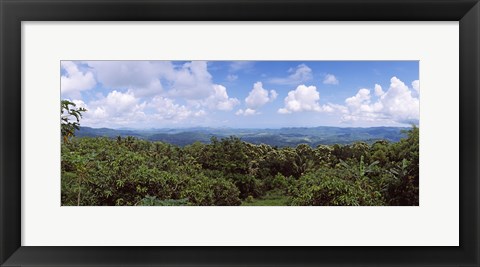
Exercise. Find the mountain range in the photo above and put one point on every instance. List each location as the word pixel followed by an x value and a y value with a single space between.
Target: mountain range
pixel 281 137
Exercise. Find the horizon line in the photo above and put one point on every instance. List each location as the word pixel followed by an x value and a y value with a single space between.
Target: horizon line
pixel 250 128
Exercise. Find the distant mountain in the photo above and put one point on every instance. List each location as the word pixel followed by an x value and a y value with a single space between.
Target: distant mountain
pixel 312 136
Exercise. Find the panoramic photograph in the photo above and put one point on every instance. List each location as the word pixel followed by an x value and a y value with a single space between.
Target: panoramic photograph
pixel 239 133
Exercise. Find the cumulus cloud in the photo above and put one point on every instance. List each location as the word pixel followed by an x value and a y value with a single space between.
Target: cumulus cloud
pixel 330 107
pixel 330 79
pixel 193 83
pixel 124 104
pixel 119 108
pixel 75 80
pixel 361 98
pixel 378 90
pixel 190 80
pixel 300 74
pixel 397 104
pixel 141 77
pixel 416 85
pixel 99 114
pixel 167 110
pixel 220 99
pixel 303 98
pixel 259 96
pixel 153 87
pixel 136 92
pixel 246 112
pixel 256 98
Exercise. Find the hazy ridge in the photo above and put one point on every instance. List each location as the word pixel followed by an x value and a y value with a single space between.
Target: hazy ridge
pixel 312 136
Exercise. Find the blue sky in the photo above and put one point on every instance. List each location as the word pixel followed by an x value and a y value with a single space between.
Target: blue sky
pixel 243 94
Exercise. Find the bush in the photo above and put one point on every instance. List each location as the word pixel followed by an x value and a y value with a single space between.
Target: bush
pixel 325 189
pixel 98 171
pixel 280 182
pixel 128 171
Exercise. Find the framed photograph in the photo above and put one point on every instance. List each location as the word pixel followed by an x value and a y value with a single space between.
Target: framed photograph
pixel 239 133
pixel 187 133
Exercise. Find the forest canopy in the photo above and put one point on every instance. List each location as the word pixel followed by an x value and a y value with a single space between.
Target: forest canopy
pixel 128 171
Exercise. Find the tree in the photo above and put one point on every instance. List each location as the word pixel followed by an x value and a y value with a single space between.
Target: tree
pixel 361 171
pixel 70 118
pixel 404 191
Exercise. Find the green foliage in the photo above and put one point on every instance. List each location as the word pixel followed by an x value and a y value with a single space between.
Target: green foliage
pixel 69 111
pixel 100 171
pixel 249 199
pixel 271 198
pixel 127 171
pixel 326 188
pixel 359 172
pixel 403 190
pixel 280 182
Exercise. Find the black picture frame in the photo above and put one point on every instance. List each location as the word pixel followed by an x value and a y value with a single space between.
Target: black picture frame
pixel 13 12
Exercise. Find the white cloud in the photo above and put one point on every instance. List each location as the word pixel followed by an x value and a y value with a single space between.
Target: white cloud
pixel 300 74
pixel 378 90
pixel 144 91
pixel 397 105
pixel 304 98
pixel 120 102
pixel 200 113
pixel 100 113
pixel 219 99
pixel 259 96
pixel 246 112
pixel 361 98
pixel 330 107
pixel 80 104
pixel 192 81
pixel 127 74
pixel 167 110
pixel 115 109
pixel 330 79
pixel 416 85
pixel 142 77
pixel 153 88
pixel 75 80
pixel 273 95
pixel 125 109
